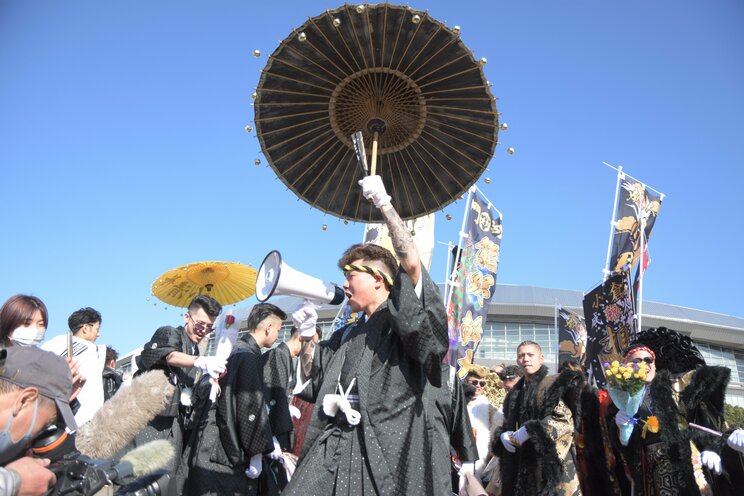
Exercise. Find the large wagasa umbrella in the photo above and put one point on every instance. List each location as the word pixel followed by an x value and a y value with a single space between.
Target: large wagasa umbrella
pixel 226 282
pixel 403 79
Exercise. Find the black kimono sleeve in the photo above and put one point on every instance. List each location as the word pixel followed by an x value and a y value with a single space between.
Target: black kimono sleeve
pixel 461 431
pixel 277 369
pixel 420 323
pixel 165 341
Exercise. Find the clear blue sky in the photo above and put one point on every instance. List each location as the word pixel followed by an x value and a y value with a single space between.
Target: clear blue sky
pixel 123 151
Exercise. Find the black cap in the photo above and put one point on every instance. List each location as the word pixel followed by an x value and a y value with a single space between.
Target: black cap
pixel 28 366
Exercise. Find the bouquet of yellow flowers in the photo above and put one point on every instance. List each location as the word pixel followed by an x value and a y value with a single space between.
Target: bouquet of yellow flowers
pixel 626 383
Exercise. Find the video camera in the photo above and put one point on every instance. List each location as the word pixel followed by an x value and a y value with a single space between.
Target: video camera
pixel 78 474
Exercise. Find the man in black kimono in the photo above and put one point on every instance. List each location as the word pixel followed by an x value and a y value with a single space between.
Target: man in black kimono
pixel 174 351
pixel 372 431
pixel 279 373
pixel 230 437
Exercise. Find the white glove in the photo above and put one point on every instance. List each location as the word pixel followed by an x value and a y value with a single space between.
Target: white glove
pixel 211 365
pixel 521 435
pixel 736 440
pixel 622 419
pixel 467 468
pixel 506 441
pixel 373 189
pixel 277 453
pixel 305 317
pixel 711 460
pixel 294 412
pixel 254 467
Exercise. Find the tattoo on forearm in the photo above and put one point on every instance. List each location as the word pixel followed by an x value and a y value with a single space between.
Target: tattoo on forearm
pixel 306 358
pixel 402 239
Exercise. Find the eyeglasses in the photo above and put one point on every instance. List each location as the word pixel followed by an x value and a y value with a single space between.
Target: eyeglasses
pixel 649 360
pixel 477 382
pixel 200 326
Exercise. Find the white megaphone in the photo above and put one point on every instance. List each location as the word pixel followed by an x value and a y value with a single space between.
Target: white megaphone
pixel 276 278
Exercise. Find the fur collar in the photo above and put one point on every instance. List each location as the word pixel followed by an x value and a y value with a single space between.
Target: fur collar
pixel 536 469
pixel 707 389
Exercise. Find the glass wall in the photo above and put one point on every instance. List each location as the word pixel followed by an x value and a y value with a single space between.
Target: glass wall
pixel 500 340
pixel 715 355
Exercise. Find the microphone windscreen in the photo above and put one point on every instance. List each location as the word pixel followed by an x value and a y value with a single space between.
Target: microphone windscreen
pixel 119 419
pixel 149 458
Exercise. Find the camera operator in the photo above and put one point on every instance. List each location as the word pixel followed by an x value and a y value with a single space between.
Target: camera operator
pixel 35 388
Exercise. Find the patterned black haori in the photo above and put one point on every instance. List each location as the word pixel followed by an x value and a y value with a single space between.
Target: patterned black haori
pixel 395 360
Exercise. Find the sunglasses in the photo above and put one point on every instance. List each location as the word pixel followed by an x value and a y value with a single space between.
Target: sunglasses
pixel 477 382
pixel 200 326
pixel 648 360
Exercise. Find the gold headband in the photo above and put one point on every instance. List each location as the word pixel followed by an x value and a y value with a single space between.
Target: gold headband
pixel 369 270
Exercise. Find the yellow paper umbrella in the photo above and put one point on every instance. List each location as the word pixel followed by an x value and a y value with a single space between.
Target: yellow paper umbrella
pixel 226 282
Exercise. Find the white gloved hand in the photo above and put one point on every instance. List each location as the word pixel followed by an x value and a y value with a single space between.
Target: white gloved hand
pixel 711 460
pixel 305 317
pixel 521 435
pixel 373 189
pixel 506 441
pixel 211 365
pixel 254 467
pixel 294 412
pixel 467 468
pixel 622 419
pixel 277 453
pixel 736 440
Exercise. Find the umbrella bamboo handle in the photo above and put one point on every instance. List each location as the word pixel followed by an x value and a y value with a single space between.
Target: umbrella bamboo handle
pixel 373 166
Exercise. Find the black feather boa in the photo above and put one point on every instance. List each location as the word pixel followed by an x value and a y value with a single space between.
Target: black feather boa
pixel 674 351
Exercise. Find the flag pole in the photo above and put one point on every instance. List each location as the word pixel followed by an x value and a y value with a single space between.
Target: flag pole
pixel 458 256
pixel 639 327
pixel 557 335
pixel 619 169
pixel 447 267
pixel 490 205
pixel 620 176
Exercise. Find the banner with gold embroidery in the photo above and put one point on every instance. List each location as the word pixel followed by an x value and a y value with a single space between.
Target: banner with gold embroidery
pixel 609 314
pixel 571 336
pixel 637 205
pixel 475 281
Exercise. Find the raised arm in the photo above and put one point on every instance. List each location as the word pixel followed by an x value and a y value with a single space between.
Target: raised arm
pixel 403 243
pixel 373 188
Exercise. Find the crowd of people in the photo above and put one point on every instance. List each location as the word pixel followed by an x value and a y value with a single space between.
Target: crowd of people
pixel 372 409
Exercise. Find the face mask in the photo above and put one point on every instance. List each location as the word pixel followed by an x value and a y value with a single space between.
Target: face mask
pixel 28 336
pixel 9 449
